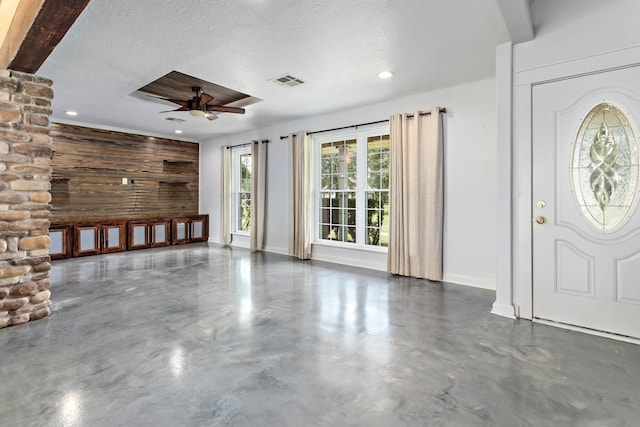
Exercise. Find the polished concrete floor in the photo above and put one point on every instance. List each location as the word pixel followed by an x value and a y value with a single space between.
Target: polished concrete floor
pixel 203 335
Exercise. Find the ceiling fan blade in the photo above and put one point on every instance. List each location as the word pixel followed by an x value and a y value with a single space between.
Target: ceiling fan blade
pixel 178 101
pixel 178 109
pixel 204 99
pixel 223 109
pixel 211 116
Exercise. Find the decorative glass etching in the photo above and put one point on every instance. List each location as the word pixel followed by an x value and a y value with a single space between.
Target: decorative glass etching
pixel 605 166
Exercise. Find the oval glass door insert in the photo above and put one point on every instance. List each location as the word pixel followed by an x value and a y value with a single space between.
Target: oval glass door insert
pixel 604 167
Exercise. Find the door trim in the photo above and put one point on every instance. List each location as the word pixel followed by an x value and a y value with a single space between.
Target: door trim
pixel 615 60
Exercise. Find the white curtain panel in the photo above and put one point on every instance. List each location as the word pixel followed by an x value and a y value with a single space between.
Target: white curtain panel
pixel 258 194
pixel 226 195
pixel 299 195
pixel 416 195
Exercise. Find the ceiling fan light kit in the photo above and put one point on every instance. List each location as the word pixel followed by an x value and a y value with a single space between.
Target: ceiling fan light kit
pixel 197 113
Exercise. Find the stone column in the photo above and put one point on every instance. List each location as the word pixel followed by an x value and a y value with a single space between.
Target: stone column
pixel 25 180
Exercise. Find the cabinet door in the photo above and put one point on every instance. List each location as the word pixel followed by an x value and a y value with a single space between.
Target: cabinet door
pixel 61 242
pixel 160 233
pixel 138 236
pixel 180 231
pixel 199 229
pixel 113 238
pixel 86 240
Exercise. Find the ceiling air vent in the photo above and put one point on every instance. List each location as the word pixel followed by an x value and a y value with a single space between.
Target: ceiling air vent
pixel 175 119
pixel 287 80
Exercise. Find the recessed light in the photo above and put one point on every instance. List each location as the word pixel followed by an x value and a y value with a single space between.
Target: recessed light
pixel 71 113
pixel 385 74
pixel 178 131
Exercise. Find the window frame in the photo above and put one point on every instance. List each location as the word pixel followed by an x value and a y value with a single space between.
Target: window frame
pixel 236 156
pixel 361 135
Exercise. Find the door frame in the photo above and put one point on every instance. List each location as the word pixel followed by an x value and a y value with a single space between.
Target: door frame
pixel 519 289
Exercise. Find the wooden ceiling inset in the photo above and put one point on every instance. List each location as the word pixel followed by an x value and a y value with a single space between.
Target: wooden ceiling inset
pixel 176 85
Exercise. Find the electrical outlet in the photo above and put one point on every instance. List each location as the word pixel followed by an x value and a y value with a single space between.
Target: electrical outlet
pixel 125 181
pixel 132 181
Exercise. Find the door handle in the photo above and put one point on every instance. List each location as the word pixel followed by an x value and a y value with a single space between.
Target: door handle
pixel 541 220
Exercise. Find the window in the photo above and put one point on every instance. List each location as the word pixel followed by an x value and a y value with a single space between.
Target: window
pixel 242 189
pixel 605 167
pixel 352 182
pixel 338 190
pixel 377 193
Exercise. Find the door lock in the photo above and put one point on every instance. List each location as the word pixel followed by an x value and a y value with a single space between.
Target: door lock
pixel 541 220
pixel 541 204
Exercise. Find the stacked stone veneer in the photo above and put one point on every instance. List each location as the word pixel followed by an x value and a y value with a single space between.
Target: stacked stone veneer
pixel 25 176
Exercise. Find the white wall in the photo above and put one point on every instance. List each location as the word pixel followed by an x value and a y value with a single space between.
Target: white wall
pixel 573 37
pixel 470 174
pixel 570 29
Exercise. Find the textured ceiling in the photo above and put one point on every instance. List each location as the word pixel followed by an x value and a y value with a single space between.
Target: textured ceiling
pixel 337 47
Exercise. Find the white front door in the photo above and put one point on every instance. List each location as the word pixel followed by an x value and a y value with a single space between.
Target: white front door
pixel 586 224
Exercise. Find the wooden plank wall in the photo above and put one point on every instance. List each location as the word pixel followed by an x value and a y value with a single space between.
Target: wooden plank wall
pixel 89 164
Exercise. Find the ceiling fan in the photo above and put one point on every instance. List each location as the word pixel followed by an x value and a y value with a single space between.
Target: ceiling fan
pixel 198 106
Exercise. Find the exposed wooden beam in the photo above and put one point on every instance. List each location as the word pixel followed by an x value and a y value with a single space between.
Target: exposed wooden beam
pixel 517 17
pixel 16 18
pixel 51 24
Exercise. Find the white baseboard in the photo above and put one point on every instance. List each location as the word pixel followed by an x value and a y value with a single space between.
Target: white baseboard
pixel 274 250
pixel 504 310
pixel 469 281
pixel 372 265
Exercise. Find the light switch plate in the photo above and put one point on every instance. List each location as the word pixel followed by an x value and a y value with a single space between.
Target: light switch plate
pixel 124 181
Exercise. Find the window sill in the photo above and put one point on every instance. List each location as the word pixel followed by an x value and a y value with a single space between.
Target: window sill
pixel 350 246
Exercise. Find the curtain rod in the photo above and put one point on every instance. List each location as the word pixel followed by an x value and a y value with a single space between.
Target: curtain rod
pixel 425 113
pixel 264 141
